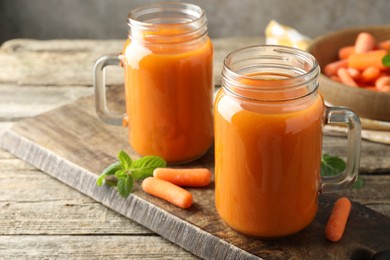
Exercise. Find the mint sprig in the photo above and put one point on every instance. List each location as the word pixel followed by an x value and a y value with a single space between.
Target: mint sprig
pixel 126 170
pixel 333 165
pixel 386 60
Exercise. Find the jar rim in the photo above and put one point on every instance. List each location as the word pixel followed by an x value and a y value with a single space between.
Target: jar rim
pixel 196 11
pixel 275 56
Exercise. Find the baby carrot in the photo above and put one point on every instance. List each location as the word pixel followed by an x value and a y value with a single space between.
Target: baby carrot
pixel 385 45
pixel 346 78
pixel 369 59
pixel 365 42
pixel 354 73
pixel 331 68
pixel 370 74
pixel 338 219
pixel 198 177
pixel 346 51
pixel 383 83
pixel 167 191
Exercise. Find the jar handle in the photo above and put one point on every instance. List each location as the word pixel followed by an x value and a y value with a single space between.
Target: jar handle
pixel 100 90
pixel 342 115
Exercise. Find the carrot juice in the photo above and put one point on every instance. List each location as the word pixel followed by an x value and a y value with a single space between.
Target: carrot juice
pixel 169 100
pixel 268 138
pixel 268 118
pixel 268 166
pixel 168 66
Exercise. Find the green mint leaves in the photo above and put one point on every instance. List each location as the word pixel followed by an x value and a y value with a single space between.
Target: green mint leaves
pixel 125 160
pixel 333 165
pixel 110 170
pixel 386 60
pixel 126 171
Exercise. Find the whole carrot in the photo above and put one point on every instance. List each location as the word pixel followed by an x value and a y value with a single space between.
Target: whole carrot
pixel 338 219
pixel 383 84
pixel 365 42
pixel 346 51
pixel 197 177
pixel 385 45
pixel 370 74
pixel 354 73
pixel 369 59
pixel 331 68
pixel 167 191
pixel 346 78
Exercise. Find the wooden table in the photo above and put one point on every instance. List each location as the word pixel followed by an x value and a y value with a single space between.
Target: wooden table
pixel 42 217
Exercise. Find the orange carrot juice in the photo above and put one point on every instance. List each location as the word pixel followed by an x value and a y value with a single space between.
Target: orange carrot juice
pixel 267 165
pixel 268 118
pixel 169 98
pixel 168 66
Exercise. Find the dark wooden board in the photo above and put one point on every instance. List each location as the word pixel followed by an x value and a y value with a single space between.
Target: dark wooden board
pixel 73 145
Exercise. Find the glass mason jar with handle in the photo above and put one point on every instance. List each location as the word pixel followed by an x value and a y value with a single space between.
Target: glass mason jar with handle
pixel 167 61
pixel 269 118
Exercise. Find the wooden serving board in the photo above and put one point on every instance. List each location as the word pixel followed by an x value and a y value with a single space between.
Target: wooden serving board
pixel 74 146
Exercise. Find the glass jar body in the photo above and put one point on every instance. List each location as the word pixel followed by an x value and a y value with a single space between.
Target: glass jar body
pixel 268 137
pixel 169 87
pixel 267 172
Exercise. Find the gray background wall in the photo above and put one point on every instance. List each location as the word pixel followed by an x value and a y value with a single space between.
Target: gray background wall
pixel 105 19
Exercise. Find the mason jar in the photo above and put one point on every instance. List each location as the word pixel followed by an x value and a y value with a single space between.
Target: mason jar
pixel 269 119
pixel 168 63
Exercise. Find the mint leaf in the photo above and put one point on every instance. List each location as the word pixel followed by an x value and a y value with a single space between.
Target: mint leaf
pixel 144 167
pixel 332 165
pixel 110 170
pixel 120 173
pixel 125 159
pixel 111 181
pixel 386 60
pixel 125 185
pixel 123 172
pixel 359 183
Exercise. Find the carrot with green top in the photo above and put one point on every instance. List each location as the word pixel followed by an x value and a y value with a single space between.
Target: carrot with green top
pixel 335 227
pixel 362 61
pixel 167 191
pixel 196 177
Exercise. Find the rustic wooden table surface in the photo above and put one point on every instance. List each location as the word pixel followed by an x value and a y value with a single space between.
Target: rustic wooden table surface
pixel 43 218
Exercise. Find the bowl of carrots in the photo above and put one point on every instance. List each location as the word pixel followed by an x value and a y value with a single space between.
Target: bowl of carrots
pixel 355 69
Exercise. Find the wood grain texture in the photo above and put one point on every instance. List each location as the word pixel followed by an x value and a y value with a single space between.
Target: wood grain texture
pixel 34 203
pixel 95 247
pixel 36 206
pixel 27 101
pixel 373 159
pixel 44 143
pixel 70 62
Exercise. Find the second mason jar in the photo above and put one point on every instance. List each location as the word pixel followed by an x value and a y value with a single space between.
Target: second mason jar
pixel 167 61
pixel 268 137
